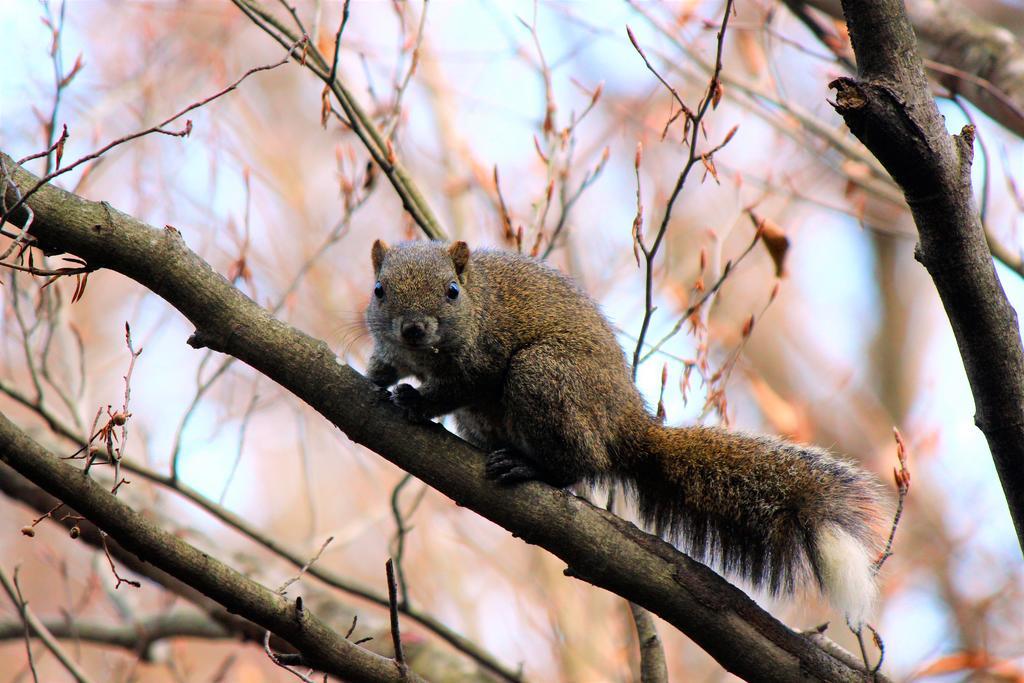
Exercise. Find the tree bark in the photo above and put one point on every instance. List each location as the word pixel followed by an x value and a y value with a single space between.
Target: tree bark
pixel 889 107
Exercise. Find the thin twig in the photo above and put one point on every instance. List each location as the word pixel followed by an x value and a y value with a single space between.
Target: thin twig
pixel 46 152
pixel 242 429
pixel 295 16
pixel 881 650
pixel 158 128
pixel 396 107
pixel 113 567
pixel 282 661
pixel 27 331
pixel 59 272
pixel 122 421
pixel 693 127
pixel 682 105
pixel 869 670
pixel 55 147
pixel 567 202
pixel 401 530
pixel 352 628
pixel 32 623
pixel 337 40
pixel 902 478
pixel 15 595
pixel 506 218
pixel 302 570
pixel 825 35
pixel 201 389
pixel 396 636
pixel 727 270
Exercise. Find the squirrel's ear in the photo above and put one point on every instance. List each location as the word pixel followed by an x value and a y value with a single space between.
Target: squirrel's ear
pixel 379 251
pixel 459 252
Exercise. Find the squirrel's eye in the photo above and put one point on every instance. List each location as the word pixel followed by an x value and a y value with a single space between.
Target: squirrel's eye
pixel 378 290
pixel 453 291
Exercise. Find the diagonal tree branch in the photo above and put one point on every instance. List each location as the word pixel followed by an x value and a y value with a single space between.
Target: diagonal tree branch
pixel 238 523
pixel 427 655
pixel 889 107
pixel 320 646
pixel 16 487
pixel 381 149
pixel 597 546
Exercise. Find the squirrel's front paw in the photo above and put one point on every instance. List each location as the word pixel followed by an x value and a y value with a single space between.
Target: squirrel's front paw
pixel 409 399
pixel 382 375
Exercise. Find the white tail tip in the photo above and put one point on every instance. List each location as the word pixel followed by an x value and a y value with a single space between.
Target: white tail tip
pixel 847 574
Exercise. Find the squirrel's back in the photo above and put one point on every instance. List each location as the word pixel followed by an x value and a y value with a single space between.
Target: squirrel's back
pixel 533 302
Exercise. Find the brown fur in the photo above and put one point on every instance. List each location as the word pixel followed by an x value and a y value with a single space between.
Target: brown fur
pixel 535 377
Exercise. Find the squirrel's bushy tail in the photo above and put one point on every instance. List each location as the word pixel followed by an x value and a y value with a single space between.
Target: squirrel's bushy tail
pixel 773 512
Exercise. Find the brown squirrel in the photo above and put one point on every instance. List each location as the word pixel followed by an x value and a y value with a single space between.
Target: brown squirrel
pixel 534 376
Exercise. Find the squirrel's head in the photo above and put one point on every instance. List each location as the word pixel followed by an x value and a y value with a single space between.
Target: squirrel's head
pixel 420 293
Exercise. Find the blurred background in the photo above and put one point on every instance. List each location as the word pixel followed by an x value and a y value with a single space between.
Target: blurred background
pixel 835 341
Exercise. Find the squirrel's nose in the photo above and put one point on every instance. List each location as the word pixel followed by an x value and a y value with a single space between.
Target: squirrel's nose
pixel 413 331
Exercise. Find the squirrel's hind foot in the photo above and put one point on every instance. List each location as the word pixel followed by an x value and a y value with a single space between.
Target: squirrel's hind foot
pixel 507 467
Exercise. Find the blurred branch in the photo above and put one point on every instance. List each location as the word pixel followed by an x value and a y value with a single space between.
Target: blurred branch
pixel 1003 254
pixel 380 148
pixel 441 662
pixel 652 655
pixel 756 95
pixel 16 487
pixel 38 629
pixel 889 107
pixel 137 636
pixel 950 76
pixel 823 31
pixel 970 56
pixel 320 646
pixel 396 107
pixel 598 547
pixel 876 182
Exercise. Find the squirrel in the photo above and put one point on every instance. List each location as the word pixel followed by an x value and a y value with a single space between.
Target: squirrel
pixel 535 378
